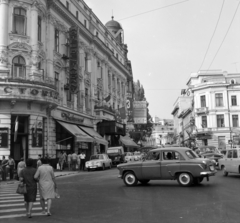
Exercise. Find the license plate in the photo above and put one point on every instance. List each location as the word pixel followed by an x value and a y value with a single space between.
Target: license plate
pixel 212 168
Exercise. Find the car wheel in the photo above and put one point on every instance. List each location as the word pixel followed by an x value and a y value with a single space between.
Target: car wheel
pixel 225 173
pixel 130 179
pixel 103 166
pixel 144 182
pixel 185 179
pixel 197 180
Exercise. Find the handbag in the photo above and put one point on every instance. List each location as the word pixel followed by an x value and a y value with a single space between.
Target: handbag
pixel 21 189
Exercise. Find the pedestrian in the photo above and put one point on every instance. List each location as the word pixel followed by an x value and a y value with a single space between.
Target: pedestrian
pixel 69 159
pixel 4 169
pixel 26 176
pixel 65 159
pixel 82 161
pixel 11 164
pixel 39 162
pixel 61 161
pixel 21 165
pixel 74 161
pixel 47 185
pixel 78 161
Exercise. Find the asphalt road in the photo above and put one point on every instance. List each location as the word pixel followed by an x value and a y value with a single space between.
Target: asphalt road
pixel 101 197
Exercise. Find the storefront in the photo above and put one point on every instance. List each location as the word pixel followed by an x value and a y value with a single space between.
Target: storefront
pixel 128 144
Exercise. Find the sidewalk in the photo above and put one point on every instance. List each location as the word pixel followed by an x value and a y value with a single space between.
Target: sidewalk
pixel 57 173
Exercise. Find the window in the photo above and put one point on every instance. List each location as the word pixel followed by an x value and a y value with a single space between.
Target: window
pixel 86 62
pixel 203 101
pixel 235 120
pixel 86 99
pixel 77 15
pixel 69 95
pixel 85 23
pixel 220 120
pixel 219 99
pixel 204 121
pixel 19 65
pixel 153 156
pixel 67 5
pixel 234 100
pixel 19 21
pixel 39 28
pixel 56 40
pixel 96 34
pixel 57 80
pixel 235 154
pixel 230 153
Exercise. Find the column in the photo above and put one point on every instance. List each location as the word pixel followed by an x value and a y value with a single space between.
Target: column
pixel 3 35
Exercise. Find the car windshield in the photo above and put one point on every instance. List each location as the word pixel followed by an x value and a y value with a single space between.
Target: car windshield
pixel 112 151
pixel 191 154
pixel 208 150
pixel 96 157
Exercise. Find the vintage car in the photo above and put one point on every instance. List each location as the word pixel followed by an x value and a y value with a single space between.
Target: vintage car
pixel 98 161
pixel 230 163
pixel 176 163
pixel 210 152
pixel 116 154
pixel 128 157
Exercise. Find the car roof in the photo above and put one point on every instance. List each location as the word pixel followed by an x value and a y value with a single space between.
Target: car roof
pixel 201 147
pixel 116 147
pixel 172 148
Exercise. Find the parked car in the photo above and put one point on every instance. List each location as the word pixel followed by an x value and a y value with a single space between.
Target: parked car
pixel 116 154
pixel 128 157
pixel 230 163
pixel 210 152
pixel 173 163
pixel 98 161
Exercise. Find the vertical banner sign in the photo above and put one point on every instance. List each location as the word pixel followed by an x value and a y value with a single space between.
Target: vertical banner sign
pixel 140 112
pixel 3 137
pixel 36 138
pixel 129 106
pixel 73 60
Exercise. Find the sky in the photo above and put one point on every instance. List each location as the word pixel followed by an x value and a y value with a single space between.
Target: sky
pixel 169 43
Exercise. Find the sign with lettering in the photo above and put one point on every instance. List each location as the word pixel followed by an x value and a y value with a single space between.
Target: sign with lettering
pixel 140 112
pixel 3 137
pixel 71 117
pixel 37 137
pixel 73 60
pixel 129 106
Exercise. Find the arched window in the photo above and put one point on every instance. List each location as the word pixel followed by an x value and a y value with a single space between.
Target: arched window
pixel 19 66
pixel 19 21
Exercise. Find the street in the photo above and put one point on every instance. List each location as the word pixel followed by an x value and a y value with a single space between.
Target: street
pixel 99 196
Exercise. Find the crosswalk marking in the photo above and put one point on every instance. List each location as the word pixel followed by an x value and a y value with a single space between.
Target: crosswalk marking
pixel 12 204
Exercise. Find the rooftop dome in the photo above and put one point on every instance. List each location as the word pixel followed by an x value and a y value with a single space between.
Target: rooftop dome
pixel 112 24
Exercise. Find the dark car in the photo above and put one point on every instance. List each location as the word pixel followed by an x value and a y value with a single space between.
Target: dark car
pixel 173 163
pixel 116 154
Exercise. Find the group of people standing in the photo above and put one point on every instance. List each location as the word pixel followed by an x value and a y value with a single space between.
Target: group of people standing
pixel 73 161
pixel 7 166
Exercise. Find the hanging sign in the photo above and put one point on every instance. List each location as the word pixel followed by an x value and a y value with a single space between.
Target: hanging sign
pixel 36 137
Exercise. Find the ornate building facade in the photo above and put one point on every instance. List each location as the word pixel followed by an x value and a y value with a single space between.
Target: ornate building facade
pixel 63 75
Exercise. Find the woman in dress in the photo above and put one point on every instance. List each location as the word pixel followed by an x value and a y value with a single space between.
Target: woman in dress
pixel 26 176
pixel 21 165
pixel 4 168
pixel 47 185
pixel 61 161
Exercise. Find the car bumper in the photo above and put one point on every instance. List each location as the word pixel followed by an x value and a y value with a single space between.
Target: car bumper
pixel 208 173
pixel 119 176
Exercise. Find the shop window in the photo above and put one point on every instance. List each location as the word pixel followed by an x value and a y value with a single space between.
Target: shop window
pixel 235 120
pixel 57 81
pixel 19 21
pixel 19 67
pixel 204 121
pixel 39 28
pixel 56 38
pixel 203 101
pixel 234 100
pixel 220 121
pixel 219 99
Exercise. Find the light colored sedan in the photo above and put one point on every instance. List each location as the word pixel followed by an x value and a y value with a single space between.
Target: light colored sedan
pixel 99 161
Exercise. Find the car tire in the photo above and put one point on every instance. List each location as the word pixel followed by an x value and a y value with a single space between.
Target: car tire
pixel 185 179
pixel 144 182
pixel 130 179
pixel 225 173
pixel 103 166
pixel 197 180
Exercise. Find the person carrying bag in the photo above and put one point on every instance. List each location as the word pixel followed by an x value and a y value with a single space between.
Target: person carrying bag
pixel 21 189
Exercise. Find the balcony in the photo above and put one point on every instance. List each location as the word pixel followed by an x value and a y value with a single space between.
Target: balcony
pixel 203 110
pixel 104 108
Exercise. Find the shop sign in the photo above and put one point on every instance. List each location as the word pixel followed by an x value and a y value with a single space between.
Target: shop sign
pixel 140 112
pixel 204 137
pixel 73 59
pixel 83 145
pixel 3 137
pixel 129 106
pixel 72 118
pixel 37 137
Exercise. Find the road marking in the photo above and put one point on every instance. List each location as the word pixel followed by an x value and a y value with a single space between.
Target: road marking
pixel 16 200
pixel 18 209
pixel 20 215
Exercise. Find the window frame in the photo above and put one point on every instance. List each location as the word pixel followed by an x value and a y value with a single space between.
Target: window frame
pixel 39 28
pixel 235 124
pixel 56 40
pixel 203 101
pixel 19 65
pixel 56 80
pixel 16 17
pixel 219 100
pixel 222 125
pixel 204 121
pixel 234 99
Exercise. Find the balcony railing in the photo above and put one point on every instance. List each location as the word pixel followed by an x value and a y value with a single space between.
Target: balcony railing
pixel 202 110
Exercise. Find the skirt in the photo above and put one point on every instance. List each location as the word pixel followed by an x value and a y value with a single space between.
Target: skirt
pixel 31 194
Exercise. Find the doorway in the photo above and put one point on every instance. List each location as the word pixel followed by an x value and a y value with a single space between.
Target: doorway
pixel 19 137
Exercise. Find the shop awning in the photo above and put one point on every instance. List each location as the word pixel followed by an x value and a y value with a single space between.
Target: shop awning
pixel 127 141
pixel 80 135
pixel 95 135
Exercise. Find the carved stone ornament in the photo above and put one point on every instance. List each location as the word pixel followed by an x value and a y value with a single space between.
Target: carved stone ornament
pixel 19 38
pixel 57 64
pixel 3 56
pixel 34 60
pixel 56 23
pixel 20 4
pixel 20 46
pixel 4 1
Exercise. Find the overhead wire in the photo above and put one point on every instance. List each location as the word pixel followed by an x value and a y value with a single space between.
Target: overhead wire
pixel 212 34
pixel 225 35
pixel 153 10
